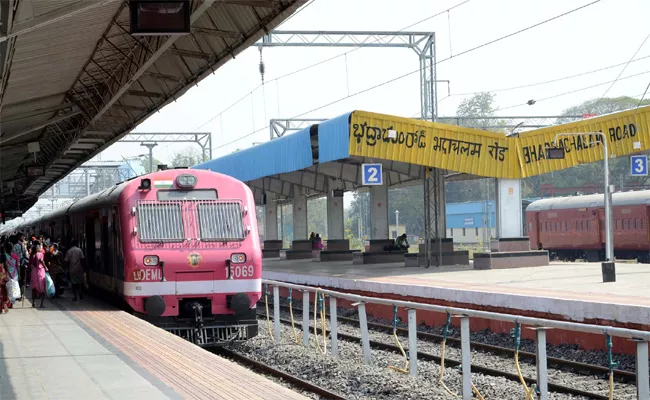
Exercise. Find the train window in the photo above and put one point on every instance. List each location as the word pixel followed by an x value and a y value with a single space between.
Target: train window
pixel 178 195
pixel 569 224
pixel 618 224
pixel 626 225
pixel 220 221
pixel 643 226
pixel 638 224
pixel 160 222
pixel 588 225
pixel 563 226
pixel 530 227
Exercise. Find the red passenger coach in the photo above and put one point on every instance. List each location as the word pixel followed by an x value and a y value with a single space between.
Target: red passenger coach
pixel 574 227
pixel 179 247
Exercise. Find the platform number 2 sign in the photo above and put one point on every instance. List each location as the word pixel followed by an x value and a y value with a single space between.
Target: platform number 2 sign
pixel 639 165
pixel 371 174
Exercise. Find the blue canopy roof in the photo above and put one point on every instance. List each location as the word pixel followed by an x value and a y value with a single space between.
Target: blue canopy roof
pixel 289 153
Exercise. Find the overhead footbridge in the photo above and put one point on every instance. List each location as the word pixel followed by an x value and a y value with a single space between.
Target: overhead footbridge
pixel 74 80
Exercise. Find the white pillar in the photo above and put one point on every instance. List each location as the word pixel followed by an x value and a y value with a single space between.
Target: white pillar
pixel 334 216
pixel 271 217
pixel 508 209
pixel 299 214
pixel 379 210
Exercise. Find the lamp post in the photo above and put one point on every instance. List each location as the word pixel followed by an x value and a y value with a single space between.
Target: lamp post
pixel 608 267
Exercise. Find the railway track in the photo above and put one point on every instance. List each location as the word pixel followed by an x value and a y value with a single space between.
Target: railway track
pixel 556 363
pixel 449 362
pixel 276 373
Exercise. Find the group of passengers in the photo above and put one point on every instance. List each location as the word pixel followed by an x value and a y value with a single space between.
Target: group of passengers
pixel 316 241
pixel 28 262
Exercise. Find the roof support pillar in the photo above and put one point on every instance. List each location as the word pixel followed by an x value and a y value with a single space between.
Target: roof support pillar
pixel 379 210
pixel 299 214
pixel 334 214
pixel 270 217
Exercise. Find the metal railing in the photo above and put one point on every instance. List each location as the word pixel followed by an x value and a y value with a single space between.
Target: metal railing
pixel 540 325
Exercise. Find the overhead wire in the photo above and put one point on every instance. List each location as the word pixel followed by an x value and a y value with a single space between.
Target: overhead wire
pixel 417 70
pixel 620 73
pixel 572 91
pixel 276 79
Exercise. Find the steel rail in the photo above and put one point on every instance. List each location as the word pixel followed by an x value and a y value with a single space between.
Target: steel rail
pixel 265 368
pixel 455 363
pixel 621 375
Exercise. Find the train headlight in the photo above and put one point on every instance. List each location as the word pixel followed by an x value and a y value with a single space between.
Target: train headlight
pixel 151 261
pixel 238 258
pixel 186 181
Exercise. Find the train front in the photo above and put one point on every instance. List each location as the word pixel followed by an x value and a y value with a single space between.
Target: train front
pixel 193 262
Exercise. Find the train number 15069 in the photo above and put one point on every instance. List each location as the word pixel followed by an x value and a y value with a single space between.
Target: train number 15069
pixel 241 271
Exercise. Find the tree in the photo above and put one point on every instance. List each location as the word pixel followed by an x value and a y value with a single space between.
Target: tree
pixel 145 163
pixel 317 216
pixel 187 157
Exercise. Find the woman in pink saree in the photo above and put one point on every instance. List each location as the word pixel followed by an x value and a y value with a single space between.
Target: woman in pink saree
pixel 37 264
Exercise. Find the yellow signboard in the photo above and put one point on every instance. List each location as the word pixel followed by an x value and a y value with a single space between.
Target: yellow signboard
pixel 431 144
pixel 626 132
pixel 482 153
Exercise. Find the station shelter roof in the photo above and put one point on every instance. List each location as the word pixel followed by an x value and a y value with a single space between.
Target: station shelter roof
pixel 74 80
pixel 329 155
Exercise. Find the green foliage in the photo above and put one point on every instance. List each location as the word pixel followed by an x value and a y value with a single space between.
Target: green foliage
pixel 145 164
pixel 317 216
pixel 188 157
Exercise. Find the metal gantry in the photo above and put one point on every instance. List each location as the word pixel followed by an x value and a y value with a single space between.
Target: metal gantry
pixel 423 43
pixel 281 126
pixel 150 139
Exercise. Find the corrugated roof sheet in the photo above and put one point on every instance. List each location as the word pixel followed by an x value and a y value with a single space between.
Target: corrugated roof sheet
pixel 334 139
pixel 286 154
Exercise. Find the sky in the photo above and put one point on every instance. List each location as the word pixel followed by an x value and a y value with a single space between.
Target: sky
pixel 600 35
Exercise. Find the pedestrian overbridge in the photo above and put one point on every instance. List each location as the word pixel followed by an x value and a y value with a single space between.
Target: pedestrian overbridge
pixel 326 159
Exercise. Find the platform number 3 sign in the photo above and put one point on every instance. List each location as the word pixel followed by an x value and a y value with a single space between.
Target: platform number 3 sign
pixel 639 165
pixel 371 174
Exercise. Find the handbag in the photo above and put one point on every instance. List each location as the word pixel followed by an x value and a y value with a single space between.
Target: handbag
pixel 13 289
pixel 50 289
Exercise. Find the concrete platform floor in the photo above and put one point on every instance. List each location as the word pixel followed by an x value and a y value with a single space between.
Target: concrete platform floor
pixel 574 291
pixel 90 350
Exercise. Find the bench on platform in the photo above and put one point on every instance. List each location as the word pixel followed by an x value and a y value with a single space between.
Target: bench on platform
pixel 300 250
pixel 377 245
pixel 336 255
pixel 271 248
pixel 511 259
pixel 337 244
pixel 447 245
pixel 458 257
pixel 377 257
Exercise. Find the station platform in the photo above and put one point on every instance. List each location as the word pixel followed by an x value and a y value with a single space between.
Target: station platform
pixel 89 350
pixel 564 291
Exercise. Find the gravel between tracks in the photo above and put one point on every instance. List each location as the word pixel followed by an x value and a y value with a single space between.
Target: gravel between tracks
pixel 347 375
pixel 588 383
pixel 565 351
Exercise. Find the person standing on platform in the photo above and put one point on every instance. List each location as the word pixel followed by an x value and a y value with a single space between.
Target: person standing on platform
pixel 5 302
pixel 39 269
pixel 74 257
pixel 55 265
pixel 12 263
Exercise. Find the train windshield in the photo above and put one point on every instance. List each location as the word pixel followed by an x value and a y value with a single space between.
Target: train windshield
pixel 220 221
pixel 160 222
